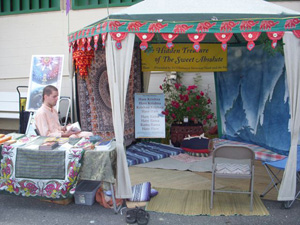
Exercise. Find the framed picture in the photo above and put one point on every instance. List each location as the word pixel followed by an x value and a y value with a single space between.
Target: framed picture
pixel 45 70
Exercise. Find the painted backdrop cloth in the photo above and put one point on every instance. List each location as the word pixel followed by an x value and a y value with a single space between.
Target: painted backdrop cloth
pixel 253 99
pixel 94 98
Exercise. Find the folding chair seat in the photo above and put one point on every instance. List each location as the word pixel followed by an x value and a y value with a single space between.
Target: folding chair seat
pixel 241 166
pixel 274 169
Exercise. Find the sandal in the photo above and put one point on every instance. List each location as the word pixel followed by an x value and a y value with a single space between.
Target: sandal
pixel 142 217
pixel 131 215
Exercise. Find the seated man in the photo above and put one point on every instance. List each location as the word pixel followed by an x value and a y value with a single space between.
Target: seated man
pixel 46 118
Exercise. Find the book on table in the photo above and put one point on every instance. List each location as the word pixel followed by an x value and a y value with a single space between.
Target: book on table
pixel 74 127
pixel 103 145
pixel 48 145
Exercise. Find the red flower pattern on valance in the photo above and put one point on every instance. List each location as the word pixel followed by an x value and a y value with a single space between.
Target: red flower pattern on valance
pixel 297 33
pixel 118 37
pixel 223 38
pixel 196 38
pixel 251 37
pixel 144 37
pixel 275 36
pixel 274 29
pixel 169 38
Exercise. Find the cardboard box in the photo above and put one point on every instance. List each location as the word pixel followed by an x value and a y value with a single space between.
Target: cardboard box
pixel 85 192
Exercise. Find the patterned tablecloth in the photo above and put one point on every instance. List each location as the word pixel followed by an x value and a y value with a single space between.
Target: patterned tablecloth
pixel 20 178
pixel 45 188
pixel 99 165
pixel 261 153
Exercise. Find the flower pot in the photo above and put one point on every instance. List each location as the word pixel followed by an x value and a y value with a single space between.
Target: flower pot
pixel 179 131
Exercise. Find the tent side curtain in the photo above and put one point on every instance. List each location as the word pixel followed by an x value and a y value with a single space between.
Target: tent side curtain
pixel 287 189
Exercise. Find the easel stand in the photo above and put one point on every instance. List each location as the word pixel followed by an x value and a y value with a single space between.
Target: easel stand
pixel 31 129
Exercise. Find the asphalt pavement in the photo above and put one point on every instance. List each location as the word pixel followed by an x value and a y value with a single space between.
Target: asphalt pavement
pixel 18 210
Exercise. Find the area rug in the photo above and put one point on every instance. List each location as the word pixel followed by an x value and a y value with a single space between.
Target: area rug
pixel 205 165
pixel 197 202
pixel 172 164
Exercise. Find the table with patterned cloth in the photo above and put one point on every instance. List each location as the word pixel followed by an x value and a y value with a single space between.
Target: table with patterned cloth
pixel 101 166
pixel 50 174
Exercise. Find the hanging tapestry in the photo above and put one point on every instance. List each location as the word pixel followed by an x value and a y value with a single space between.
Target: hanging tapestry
pixel 99 106
pixel 84 104
pixel 253 99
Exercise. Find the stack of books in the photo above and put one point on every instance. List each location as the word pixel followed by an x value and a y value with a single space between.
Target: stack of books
pixel 4 138
pixel 62 140
pixel 48 145
pixel 103 145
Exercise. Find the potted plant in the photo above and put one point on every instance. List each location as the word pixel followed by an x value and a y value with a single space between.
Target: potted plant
pixel 185 104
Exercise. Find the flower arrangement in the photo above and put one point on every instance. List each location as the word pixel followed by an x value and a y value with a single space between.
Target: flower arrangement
pixel 186 102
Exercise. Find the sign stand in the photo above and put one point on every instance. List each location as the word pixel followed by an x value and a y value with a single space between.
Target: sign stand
pixel 31 128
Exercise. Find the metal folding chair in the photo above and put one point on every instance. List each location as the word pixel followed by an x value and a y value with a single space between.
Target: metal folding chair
pixel 64 109
pixel 233 169
pixel 274 169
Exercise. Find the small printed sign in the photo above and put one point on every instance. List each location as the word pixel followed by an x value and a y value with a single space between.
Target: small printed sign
pixel 149 120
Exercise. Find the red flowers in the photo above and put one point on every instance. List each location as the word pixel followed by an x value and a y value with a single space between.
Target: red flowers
pixel 166 112
pixel 184 98
pixel 177 85
pixel 175 104
pixel 209 116
pixel 192 87
pixel 182 101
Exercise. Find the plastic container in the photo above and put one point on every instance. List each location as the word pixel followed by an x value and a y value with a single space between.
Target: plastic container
pixel 85 192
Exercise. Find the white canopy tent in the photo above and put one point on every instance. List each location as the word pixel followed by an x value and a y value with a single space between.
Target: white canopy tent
pixel 232 21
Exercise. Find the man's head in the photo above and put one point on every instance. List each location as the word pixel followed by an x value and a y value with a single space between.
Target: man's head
pixel 50 96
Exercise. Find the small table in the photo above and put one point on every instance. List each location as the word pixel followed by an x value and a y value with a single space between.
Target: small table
pixel 100 166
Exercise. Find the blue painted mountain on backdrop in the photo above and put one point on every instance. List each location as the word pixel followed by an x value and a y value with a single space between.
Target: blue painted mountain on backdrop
pixel 253 99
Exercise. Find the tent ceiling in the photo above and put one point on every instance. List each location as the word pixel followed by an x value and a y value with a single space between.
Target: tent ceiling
pixel 199 10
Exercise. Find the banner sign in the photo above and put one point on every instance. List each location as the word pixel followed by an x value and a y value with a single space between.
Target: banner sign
pixel 149 121
pixel 45 70
pixel 182 57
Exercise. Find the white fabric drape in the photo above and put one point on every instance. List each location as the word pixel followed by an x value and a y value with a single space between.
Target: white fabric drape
pixel 118 70
pixel 146 80
pixel 287 189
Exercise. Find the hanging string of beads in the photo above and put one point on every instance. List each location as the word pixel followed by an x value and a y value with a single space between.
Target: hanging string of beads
pixel 83 58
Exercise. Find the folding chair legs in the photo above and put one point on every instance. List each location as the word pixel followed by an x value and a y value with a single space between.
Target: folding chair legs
pixel 212 191
pixel 275 181
pixel 288 204
pixel 251 190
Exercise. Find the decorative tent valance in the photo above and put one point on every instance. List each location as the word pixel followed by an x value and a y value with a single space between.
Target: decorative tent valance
pixel 223 30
